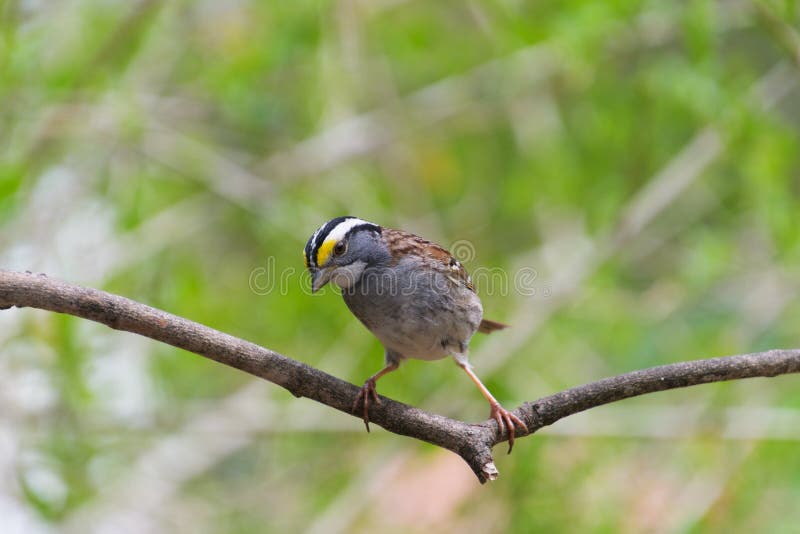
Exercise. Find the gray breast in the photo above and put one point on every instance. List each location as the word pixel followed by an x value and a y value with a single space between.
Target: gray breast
pixel 417 313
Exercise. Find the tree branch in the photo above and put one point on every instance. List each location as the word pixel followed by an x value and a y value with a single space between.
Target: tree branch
pixel 473 442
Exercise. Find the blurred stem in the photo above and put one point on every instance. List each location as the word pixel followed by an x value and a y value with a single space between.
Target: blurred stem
pixel 112 57
pixel 783 33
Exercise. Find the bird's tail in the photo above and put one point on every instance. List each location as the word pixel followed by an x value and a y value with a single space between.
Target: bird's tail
pixel 487 326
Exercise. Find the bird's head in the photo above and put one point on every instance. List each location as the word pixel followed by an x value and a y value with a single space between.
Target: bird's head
pixel 340 250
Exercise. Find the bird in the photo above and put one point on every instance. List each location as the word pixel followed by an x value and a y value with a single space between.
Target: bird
pixel 411 293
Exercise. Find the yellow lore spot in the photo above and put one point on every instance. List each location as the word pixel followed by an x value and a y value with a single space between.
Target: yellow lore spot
pixel 324 252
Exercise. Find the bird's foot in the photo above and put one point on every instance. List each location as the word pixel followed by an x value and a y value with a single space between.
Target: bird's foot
pixel 366 393
pixel 505 419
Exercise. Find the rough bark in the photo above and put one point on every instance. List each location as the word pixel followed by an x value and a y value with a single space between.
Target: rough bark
pixel 473 442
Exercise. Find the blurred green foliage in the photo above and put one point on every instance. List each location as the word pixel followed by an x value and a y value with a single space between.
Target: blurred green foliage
pixel 640 158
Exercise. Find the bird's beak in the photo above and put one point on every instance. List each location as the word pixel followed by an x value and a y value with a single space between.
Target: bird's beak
pixel 319 278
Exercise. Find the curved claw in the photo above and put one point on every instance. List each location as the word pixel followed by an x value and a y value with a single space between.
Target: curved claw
pixel 367 390
pixel 508 420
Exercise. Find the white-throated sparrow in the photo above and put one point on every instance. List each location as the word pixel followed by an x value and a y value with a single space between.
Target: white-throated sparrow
pixel 411 293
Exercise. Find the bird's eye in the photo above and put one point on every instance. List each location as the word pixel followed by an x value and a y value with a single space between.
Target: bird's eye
pixel 340 248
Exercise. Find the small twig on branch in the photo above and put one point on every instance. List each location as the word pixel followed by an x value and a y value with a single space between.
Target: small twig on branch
pixel 473 442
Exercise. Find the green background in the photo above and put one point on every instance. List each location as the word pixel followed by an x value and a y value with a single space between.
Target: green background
pixel 628 170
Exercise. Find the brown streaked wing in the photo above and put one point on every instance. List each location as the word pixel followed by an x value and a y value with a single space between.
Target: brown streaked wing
pixel 404 243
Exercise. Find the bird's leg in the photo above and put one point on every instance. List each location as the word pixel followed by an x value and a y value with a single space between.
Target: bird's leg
pixel 498 413
pixel 368 391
